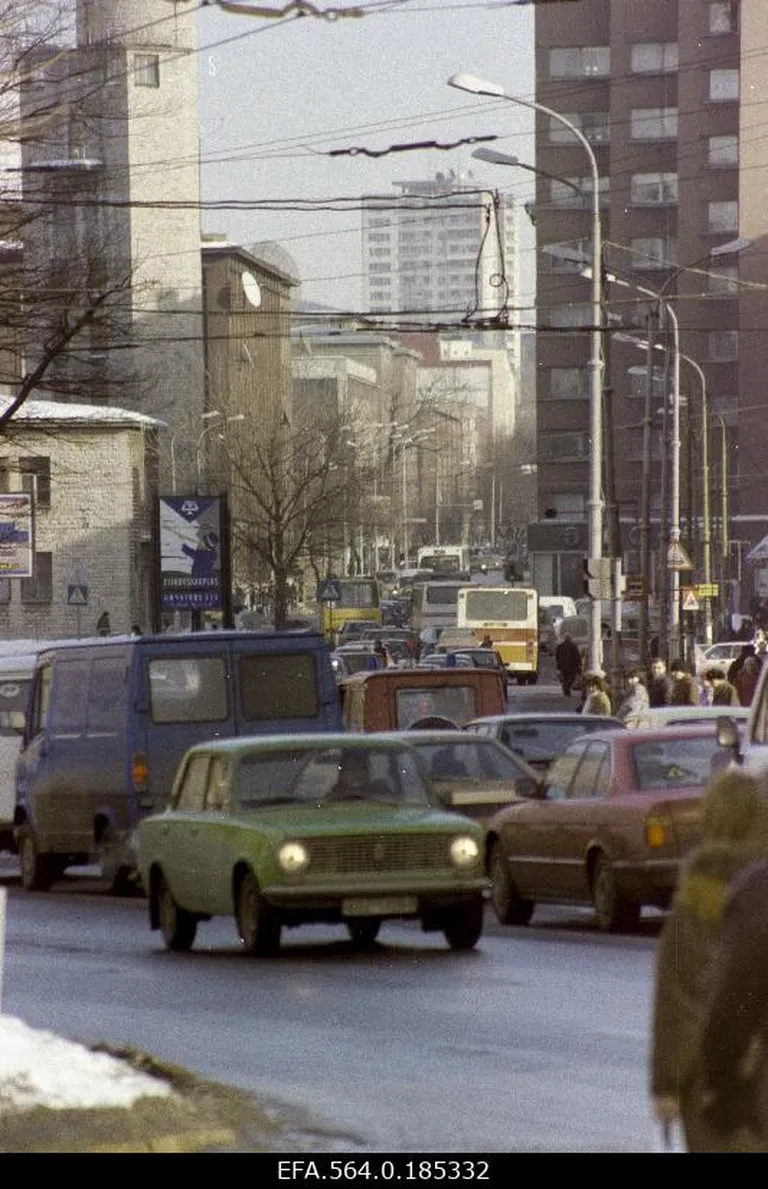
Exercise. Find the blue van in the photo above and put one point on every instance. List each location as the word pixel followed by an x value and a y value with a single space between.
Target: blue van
pixel 109 720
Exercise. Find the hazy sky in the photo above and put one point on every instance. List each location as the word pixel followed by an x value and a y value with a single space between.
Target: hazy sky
pixel 276 95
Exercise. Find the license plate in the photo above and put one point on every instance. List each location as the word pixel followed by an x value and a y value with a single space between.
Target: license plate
pixel 379 906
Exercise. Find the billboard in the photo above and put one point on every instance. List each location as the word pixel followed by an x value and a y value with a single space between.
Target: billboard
pixel 16 535
pixel 192 546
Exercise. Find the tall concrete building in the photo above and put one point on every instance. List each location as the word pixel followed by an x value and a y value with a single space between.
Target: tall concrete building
pixel 671 96
pixel 113 175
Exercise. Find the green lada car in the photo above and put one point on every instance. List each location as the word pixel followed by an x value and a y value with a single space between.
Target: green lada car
pixel 279 831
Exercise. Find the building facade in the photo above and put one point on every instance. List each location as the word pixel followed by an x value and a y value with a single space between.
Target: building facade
pixel 92 472
pixel 669 96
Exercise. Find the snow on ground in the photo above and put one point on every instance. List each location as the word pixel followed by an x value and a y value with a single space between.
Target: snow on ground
pixel 38 1068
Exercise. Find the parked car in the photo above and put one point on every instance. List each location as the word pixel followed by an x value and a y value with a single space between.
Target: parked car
pixel 353 658
pixel 677 716
pixel 288 830
pixel 718 656
pixel 472 775
pixel 747 742
pixel 540 738
pixel 352 629
pixel 614 817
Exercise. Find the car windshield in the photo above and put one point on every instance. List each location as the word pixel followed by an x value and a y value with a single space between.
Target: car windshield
pixel 329 775
pixel 473 760
pixel 679 763
pixel 542 740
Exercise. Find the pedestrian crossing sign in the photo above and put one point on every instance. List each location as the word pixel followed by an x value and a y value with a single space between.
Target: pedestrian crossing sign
pixel 677 558
pixel 688 600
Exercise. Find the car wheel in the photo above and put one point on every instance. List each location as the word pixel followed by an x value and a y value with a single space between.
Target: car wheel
pixel 177 926
pixel 464 924
pixel 508 904
pixel 37 871
pixel 612 909
pixel 364 931
pixel 258 930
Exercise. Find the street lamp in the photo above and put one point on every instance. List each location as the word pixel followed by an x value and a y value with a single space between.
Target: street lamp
pixel 404 444
pixel 207 430
pixel 476 86
pixel 174 435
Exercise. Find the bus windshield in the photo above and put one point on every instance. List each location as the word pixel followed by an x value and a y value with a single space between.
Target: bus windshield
pixel 485 605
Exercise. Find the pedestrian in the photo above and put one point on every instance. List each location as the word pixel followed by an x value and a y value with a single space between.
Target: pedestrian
pixel 486 641
pixel 734 832
pixel 568 662
pixel 596 697
pixel 103 626
pixel 734 1043
pixel 747 674
pixel 723 693
pixel 635 701
pixel 660 684
pixel 685 691
pixel 382 655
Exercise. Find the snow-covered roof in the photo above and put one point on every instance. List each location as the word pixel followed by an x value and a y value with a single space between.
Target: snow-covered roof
pixel 63 411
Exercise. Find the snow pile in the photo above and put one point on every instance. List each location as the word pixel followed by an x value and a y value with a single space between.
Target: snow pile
pixel 40 1069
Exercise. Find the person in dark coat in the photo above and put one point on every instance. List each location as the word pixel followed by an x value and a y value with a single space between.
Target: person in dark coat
pixel 734 1037
pixel 660 684
pixel 568 662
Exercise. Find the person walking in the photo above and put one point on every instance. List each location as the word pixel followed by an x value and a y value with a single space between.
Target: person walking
pixel 734 1041
pixel 596 697
pixel 685 691
pixel 734 834
pixel 660 684
pixel 723 693
pixel 568 663
pixel 635 701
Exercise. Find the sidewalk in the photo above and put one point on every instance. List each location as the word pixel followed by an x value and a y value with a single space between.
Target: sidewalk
pixel 59 1096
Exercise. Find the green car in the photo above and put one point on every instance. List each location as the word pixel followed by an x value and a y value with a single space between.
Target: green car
pixel 279 831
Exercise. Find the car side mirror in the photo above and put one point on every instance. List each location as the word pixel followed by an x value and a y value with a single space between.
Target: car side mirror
pixel 727 734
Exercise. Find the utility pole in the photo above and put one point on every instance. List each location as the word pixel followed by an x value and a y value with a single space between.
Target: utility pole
pixel 645 499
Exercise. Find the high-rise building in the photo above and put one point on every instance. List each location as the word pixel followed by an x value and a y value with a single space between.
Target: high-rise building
pixel 671 97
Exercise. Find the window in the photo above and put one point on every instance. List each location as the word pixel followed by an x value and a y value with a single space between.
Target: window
pixel 653 123
pixel 580 62
pixel 36 479
pixel 654 57
pixel 724 282
pixel 637 381
pixel 723 151
pixel 146 70
pixel 567 383
pixel 723 216
pixel 39 588
pixel 577 191
pixel 723 85
pixel 569 256
pixel 723 346
pixel 724 16
pixel 591 779
pixel 653 189
pixel 653 253
pixel 69 702
pixel 283 685
pixel 191 795
pixel 564 447
pixel 108 696
pixel 569 505
pixel 5 590
pixel 217 795
pixel 595 127
pixel 188 689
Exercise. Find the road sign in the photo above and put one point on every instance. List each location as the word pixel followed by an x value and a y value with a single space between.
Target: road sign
pixel 77 595
pixel 636 588
pixel 688 600
pixel 329 591
pixel 677 558
pixel 707 590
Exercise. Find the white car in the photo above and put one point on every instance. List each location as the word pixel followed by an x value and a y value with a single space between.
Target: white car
pixel 718 655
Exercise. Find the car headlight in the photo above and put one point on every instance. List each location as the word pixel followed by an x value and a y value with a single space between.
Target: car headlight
pixel 464 851
pixel 293 857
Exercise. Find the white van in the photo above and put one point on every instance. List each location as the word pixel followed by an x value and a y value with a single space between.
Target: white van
pixel 16 669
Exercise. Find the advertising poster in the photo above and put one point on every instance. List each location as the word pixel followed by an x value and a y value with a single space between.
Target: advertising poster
pixel 192 573
pixel 16 536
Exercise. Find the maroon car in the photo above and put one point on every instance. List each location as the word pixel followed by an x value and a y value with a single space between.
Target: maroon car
pixel 609 825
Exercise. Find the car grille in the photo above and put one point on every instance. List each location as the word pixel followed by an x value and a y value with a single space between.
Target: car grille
pixel 378 853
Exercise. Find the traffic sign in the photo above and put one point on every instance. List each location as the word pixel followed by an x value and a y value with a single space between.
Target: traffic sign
pixel 707 590
pixel 636 588
pixel 77 595
pixel 688 600
pixel 329 591
pixel 677 558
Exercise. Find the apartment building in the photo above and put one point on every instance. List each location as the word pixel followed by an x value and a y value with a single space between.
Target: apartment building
pixel 671 98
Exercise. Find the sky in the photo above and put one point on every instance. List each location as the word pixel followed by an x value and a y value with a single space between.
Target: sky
pixel 277 95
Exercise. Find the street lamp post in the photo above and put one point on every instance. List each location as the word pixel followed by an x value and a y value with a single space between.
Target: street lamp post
pixel 705 506
pixel 207 430
pixel 476 86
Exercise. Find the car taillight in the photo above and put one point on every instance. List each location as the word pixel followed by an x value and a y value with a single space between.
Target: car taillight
pixel 659 830
pixel 139 772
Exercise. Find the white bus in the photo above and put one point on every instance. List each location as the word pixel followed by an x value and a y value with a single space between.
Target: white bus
pixel 434 604
pixel 444 561
pixel 510 616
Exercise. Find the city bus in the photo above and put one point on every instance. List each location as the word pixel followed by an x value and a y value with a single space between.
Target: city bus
pixel 435 604
pixel 510 616
pixel 360 599
pixel 444 561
